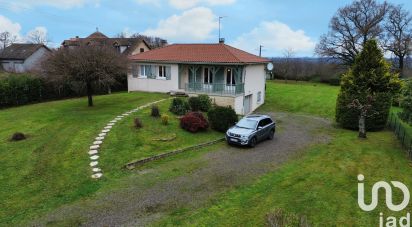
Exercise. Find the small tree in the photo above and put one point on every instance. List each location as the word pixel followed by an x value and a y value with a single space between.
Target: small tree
pixel 364 110
pixel 87 66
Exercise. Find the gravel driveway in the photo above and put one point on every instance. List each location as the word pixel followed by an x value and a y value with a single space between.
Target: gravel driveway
pixel 136 204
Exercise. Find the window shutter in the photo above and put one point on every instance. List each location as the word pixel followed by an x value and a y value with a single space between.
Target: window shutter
pixel 168 73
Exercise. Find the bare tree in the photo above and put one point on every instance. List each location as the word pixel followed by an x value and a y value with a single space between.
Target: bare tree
pixel 38 36
pixel 6 39
pixel 398 27
pixel 364 110
pixel 350 28
pixel 285 65
pixel 87 66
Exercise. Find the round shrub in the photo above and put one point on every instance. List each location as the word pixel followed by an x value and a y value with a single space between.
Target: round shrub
pixel 165 119
pixel 194 122
pixel 18 136
pixel 155 111
pixel 222 118
pixel 137 123
pixel 205 103
pixel 179 106
pixel 194 103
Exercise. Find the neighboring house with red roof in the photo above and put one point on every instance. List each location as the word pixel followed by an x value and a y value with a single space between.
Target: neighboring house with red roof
pixel 228 75
pixel 126 46
pixel 22 57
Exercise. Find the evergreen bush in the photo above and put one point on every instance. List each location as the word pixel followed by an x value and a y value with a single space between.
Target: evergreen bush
pixel 222 118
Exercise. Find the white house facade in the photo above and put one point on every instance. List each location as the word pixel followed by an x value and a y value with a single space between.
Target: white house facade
pixel 21 58
pixel 231 77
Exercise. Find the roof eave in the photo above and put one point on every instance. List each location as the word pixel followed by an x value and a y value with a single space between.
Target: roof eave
pixel 197 63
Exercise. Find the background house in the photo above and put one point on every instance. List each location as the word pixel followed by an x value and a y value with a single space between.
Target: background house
pixel 127 46
pixel 23 57
pixel 229 75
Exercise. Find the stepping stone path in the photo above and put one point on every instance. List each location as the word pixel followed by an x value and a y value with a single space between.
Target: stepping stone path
pixel 94 149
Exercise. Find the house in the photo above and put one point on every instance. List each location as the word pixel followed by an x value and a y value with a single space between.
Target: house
pixel 228 75
pixel 127 46
pixel 23 57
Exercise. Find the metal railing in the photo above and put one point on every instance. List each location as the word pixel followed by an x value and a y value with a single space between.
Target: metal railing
pixel 402 131
pixel 215 88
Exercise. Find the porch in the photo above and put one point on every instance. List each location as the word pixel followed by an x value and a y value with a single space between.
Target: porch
pixel 223 80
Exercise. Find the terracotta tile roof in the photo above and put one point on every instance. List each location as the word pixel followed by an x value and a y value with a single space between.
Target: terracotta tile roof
pixel 20 51
pixel 199 53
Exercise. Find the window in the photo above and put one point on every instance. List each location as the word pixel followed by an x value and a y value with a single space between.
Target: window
pixel 259 97
pixel 208 76
pixel 145 70
pixel 164 72
pixel 141 50
pixel 264 122
pixel 230 77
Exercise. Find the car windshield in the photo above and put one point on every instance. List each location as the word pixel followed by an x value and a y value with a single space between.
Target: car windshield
pixel 247 123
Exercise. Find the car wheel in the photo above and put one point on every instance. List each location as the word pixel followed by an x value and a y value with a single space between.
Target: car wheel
pixel 253 142
pixel 271 134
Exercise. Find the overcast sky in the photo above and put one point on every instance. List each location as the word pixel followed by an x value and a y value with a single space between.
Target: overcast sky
pixel 275 24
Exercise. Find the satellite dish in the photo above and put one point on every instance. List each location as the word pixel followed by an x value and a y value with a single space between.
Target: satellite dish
pixel 270 66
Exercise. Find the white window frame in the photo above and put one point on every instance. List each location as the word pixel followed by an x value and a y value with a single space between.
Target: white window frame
pixel 209 77
pixel 232 77
pixel 142 71
pixel 161 72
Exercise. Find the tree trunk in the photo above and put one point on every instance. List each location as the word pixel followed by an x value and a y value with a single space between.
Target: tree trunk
pixel 90 93
pixel 362 128
pixel 401 63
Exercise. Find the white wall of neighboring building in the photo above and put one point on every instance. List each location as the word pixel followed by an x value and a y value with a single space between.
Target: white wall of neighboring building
pixel 31 63
pixel 34 61
pixel 154 85
pixel 255 81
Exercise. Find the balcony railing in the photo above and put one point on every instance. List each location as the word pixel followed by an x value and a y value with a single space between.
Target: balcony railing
pixel 215 88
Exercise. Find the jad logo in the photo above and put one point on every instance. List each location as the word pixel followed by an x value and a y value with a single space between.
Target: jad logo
pixel 382 185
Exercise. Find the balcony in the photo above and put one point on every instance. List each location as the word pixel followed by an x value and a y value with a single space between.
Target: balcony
pixel 215 89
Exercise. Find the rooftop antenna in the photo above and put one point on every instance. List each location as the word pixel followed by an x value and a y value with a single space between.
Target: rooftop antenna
pixel 260 50
pixel 97 29
pixel 220 19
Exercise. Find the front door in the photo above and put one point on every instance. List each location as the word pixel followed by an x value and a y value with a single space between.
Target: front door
pixel 247 103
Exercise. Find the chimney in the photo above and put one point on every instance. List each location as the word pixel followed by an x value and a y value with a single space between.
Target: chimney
pixel 222 40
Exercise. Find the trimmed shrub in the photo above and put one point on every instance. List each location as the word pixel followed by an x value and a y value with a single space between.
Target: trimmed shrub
pixel 194 103
pixel 205 103
pixel 138 123
pixel 165 119
pixel 222 118
pixel 18 136
pixel 369 76
pixel 194 122
pixel 155 111
pixel 179 106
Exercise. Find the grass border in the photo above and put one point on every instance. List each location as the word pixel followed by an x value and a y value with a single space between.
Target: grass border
pixel 133 164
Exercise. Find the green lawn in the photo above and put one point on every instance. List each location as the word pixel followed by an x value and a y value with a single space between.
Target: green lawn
pixel 321 184
pixel 51 167
pixel 301 97
pixel 126 143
